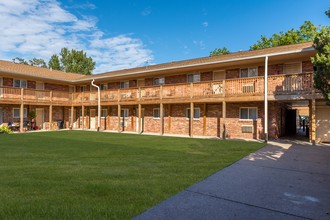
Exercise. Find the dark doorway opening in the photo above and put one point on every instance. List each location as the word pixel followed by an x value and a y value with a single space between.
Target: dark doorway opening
pixel 291 120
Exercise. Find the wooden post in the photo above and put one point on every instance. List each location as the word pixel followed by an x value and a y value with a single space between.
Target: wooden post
pixel 191 120
pixel 83 116
pixel 312 122
pixel 169 118
pixel 50 117
pixel 224 120
pixel 107 121
pixel 21 117
pixel 140 118
pixel 161 112
pixel 71 122
pixel 119 118
pixel 204 119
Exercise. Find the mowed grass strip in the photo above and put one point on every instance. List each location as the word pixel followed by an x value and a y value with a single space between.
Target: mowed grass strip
pixel 90 175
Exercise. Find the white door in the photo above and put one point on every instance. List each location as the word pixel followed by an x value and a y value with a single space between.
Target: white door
pixel 92 118
pixel 40 118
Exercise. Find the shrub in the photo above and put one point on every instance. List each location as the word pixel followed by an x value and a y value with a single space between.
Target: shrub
pixel 5 129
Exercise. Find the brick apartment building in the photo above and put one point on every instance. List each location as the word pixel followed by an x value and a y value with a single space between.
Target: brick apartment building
pixel 221 96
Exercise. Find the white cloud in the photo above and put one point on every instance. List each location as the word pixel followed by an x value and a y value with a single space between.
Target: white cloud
pixel 200 44
pixel 40 28
pixel 205 24
pixel 146 11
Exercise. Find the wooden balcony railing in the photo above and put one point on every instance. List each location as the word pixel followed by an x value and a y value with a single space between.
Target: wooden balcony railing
pixel 277 85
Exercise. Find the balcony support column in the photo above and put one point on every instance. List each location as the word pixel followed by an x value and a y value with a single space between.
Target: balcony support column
pixel 21 117
pixel 224 113
pixel 312 121
pixel 83 116
pixel 119 118
pixel 71 122
pixel 204 119
pixel 191 120
pixel 266 100
pixel 161 112
pixel 51 117
pixel 140 119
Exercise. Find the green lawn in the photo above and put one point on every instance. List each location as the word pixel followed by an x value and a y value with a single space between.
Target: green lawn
pixel 90 175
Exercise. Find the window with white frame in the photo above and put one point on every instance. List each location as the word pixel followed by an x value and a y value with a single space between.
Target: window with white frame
pixel 124 84
pixel 104 86
pixel 197 113
pixel 156 113
pixel 292 68
pixel 19 83
pixel 249 113
pixel 104 113
pixel 194 77
pixel 159 81
pixel 249 72
pixel 124 113
pixel 16 113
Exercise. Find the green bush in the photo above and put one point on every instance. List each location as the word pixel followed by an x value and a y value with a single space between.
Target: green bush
pixel 5 129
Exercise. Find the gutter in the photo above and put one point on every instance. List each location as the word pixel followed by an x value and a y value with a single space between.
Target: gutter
pixel 98 105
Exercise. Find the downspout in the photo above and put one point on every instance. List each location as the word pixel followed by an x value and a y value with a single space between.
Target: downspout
pixel 266 99
pixel 98 105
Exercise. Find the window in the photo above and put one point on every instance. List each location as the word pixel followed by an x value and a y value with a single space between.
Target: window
pixel 104 113
pixel 16 113
pixel 159 81
pixel 156 113
pixel 248 113
pixel 124 84
pixel 292 68
pixel 18 83
pixel 194 77
pixel 124 113
pixel 104 86
pixel 249 72
pixel 83 88
pixel 196 113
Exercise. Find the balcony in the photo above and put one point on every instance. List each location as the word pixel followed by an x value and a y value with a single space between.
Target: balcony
pixel 242 89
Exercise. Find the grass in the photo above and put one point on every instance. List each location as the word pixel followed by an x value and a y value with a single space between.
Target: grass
pixel 89 175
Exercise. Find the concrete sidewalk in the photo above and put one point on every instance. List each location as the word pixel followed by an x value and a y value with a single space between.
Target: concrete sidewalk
pixel 284 180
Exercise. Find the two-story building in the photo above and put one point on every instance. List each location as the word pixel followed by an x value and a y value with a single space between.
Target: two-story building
pixel 223 96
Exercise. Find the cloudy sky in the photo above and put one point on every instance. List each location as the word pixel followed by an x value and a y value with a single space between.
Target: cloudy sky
pixel 124 34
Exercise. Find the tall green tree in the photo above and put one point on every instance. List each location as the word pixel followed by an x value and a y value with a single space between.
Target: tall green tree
pixel 322 63
pixel 219 51
pixel 76 61
pixel 54 62
pixel 38 62
pixel 305 33
pixel 20 60
pixel 328 12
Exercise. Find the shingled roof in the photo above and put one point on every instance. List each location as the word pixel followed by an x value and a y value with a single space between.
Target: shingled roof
pixel 26 70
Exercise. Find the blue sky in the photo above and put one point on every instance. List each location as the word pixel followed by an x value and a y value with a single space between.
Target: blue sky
pixel 124 34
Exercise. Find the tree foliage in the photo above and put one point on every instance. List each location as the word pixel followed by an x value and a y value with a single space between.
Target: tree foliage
pixel 322 62
pixel 74 61
pixel 305 33
pixel 219 51
pixel 54 62
pixel 328 12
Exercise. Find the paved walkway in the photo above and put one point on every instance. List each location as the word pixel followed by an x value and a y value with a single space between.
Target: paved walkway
pixel 284 180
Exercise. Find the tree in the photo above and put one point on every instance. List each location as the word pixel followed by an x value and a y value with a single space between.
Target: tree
pixel 328 13
pixel 219 51
pixel 305 33
pixel 54 62
pixel 20 60
pixel 38 62
pixel 76 61
pixel 322 63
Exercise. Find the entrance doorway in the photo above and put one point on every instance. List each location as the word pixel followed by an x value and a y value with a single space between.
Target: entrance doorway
pixel 39 118
pixel 291 120
pixel 92 118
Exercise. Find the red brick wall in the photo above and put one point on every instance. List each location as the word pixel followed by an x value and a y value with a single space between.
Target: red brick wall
pixel 151 124
pixel 176 79
pixel 114 85
pixel 232 73
pixel 307 67
pixel 31 84
pixel 132 83
pixel 272 70
pixel 56 87
pixel 207 76
pixel 7 82
pixel 149 82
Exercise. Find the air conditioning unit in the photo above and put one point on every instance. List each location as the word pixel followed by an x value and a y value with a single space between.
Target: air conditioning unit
pixel 248 88
pixel 247 129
